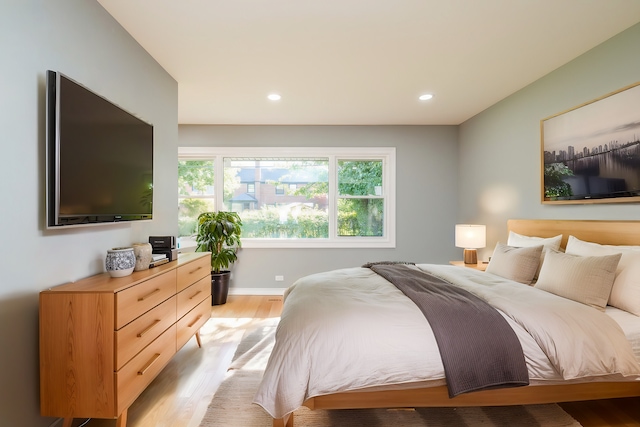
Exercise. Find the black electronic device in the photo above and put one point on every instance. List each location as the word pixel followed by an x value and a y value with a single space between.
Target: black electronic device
pixel 99 158
pixel 162 242
pixel 172 254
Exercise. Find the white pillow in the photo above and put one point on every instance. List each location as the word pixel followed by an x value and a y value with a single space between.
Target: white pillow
pixel 521 241
pixel 519 264
pixel 587 279
pixel 625 293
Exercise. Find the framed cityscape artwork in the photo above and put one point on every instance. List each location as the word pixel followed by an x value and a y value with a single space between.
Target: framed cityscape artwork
pixel 591 153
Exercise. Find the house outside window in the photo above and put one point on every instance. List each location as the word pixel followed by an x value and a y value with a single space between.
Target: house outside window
pixel 304 197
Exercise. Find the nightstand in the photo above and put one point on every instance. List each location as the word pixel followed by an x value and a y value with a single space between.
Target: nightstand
pixel 482 266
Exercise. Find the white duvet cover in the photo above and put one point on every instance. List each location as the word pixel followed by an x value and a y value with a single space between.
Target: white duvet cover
pixel 351 329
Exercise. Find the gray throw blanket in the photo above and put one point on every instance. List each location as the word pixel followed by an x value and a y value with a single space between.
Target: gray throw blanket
pixel 479 349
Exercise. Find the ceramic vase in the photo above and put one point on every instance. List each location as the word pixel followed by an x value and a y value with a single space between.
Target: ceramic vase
pixel 120 262
pixel 142 251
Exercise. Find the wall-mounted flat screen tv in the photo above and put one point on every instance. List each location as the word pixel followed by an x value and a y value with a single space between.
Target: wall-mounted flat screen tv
pixel 99 158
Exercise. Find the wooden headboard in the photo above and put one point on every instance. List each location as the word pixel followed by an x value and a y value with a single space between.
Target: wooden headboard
pixel 603 232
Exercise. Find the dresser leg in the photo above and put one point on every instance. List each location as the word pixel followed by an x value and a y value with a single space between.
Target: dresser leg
pixel 198 339
pixel 66 422
pixel 122 419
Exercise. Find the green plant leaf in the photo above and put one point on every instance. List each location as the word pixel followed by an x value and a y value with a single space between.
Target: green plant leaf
pixel 219 233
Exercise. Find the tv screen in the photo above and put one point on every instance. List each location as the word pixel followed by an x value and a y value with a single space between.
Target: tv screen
pixel 99 158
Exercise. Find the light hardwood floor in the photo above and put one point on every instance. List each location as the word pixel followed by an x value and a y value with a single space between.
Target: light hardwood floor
pixel 181 393
pixel 179 396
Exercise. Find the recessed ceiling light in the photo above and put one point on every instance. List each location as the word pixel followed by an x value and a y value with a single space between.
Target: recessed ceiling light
pixel 274 97
pixel 425 97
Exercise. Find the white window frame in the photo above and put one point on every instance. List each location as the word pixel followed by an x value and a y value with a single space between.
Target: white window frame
pixel 386 154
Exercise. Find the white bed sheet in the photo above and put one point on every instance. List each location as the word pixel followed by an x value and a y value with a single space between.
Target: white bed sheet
pixel 329 338
pixel 630 324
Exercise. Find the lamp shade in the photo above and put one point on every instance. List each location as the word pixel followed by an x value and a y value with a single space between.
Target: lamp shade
pixel 471 236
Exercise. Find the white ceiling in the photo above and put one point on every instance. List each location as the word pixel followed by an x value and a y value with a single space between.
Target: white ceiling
pixel 361 61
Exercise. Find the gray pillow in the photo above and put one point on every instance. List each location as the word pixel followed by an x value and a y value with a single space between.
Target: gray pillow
pixel 518 264
pixel 521 241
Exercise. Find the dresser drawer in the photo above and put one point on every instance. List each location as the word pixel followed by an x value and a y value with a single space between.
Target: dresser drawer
pixel 193 295
pixel 190 273
pixel 136 375
pixel 138 299
pixel 139 333
pixel 192 322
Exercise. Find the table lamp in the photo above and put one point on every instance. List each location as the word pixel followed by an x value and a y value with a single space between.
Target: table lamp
pixel 471 237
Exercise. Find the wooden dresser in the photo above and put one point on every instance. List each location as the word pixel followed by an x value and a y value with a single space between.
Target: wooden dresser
pixel 104 339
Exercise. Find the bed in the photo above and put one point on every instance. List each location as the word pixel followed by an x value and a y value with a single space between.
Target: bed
pixel 364 358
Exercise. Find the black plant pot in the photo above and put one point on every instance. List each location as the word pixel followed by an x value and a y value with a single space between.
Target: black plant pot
pixel 219 287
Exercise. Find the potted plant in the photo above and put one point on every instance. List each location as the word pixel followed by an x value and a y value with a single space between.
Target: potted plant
pixel 219 233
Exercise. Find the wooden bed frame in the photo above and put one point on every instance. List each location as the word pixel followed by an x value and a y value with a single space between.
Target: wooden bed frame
pixel 604 232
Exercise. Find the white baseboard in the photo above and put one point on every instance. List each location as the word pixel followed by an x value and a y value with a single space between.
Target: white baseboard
pixel 256 291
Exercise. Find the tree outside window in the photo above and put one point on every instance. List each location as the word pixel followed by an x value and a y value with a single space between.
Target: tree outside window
pixel 195 193
pixel 294 197
pixel 360 199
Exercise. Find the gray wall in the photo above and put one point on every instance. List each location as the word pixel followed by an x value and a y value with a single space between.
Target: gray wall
pixel 499 160
pixel 487 173
pixel 426 201
pixel 80 39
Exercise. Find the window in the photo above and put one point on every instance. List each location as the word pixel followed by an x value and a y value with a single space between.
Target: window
pixel 301 197
pixel 195 195
pixel 360 199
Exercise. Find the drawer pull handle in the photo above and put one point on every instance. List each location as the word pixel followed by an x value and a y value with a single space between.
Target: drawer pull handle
pixel 195 321
pixel 148 328
pixel 194 270
pixel 195 295
pixel 146 367
pixel 148 295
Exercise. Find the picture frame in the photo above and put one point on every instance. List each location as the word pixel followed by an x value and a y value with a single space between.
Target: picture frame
pixel 591 153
